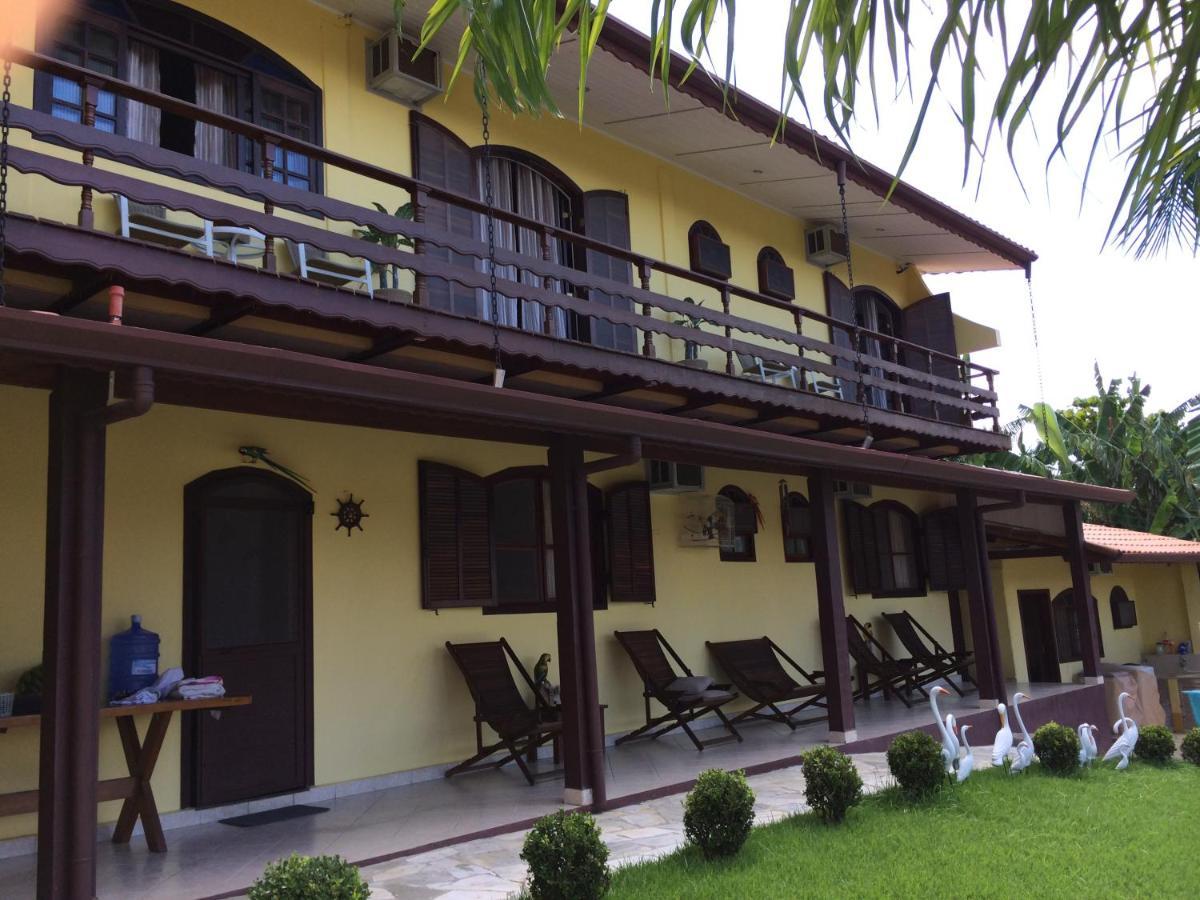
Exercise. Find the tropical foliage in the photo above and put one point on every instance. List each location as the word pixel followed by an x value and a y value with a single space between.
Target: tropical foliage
pixel 1116 71
pixel 1110 439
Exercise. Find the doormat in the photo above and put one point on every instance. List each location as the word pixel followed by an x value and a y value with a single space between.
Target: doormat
pixel 269 816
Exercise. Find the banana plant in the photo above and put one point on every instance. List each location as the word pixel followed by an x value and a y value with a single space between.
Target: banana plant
pixel 373 235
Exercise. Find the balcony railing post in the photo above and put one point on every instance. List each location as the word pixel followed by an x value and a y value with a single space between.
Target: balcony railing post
pixel 860 395
pixel 647 309
pixel 91 99
pixel 420 203
pixel 725 306
pixel 991 383
pixel 268 171
pixel 937 410
pixel 548 281
pixel 798 318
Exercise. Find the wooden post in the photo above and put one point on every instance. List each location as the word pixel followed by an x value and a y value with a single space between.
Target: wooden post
pixel 69 755
pixel 1081 591
pixel 831 608
pixel 726 305
pixel 268 172
pixel 91 99
pixel 647 309
pixel 582 736
pixel 983 622
pixel 420 202
pixel 957 635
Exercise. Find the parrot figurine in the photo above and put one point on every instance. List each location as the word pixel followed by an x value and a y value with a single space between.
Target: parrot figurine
pixel 541 669
pixel 259 455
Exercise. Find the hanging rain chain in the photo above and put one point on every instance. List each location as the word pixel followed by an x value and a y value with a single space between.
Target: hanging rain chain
pixel 1037 350
pixel 869 438
pixel 5 107
pixel 490 199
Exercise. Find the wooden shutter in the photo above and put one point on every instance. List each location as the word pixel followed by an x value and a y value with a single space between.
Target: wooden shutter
pixel 862 548
pixel 839 304
pixel 606 218
pixel 630 544
pixel 441 160
pixel 930 323
pixel 944 560
pixel 456 546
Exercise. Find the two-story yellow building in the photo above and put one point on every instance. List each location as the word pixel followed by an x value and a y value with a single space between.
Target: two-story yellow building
pixel 302 370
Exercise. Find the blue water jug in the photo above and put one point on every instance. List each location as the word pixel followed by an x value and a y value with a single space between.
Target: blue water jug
pixel 132 660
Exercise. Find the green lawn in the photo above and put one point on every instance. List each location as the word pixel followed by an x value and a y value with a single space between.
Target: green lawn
pixel 1099 834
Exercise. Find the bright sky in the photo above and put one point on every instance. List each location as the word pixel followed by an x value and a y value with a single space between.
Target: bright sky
pixel 1094 304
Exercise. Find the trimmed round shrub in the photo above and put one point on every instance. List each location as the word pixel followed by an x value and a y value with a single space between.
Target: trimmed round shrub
pixel 305 877
pixel 1191 746
pixel 831 783
pixel 1155 744
pixel 1057 746
pixel 718 812
pixel 915 760
pixel 567 860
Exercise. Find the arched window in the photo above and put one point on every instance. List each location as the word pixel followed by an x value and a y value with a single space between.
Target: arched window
pixel 168 48
pixel 1124 612
pixel 797 527
pixel 707 253
pixel 738 514
pixel 1067 635
pixel 775 277
pixel 896 531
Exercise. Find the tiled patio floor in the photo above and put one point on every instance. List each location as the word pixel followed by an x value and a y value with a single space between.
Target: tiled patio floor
pixel 206 860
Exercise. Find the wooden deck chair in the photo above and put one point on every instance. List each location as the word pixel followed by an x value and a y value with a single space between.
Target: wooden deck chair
pixel 500 706
pixel 756 670
pixel 686 697
pixel 914 638
pixel 874 662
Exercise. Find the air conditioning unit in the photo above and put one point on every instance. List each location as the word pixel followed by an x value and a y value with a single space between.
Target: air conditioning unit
pixel 674 478
pixel 1103 567
pixel 851 489
pixel 393 71
pixel 825 246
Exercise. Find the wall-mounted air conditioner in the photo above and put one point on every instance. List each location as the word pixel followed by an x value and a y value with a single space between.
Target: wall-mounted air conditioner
pixel 825 246
pixel 851 489
pixel 674 478
pixel 393 71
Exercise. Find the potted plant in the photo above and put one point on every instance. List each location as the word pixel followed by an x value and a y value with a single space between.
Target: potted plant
pixel 691 350
pixel 373 235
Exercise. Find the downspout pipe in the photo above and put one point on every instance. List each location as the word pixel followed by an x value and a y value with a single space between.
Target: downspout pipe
pixel 140 399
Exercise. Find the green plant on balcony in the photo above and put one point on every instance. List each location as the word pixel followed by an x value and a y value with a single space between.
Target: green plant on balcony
pixel 691 350
pixel 373 235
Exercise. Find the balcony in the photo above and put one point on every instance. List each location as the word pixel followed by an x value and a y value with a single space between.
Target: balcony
pixel 740 357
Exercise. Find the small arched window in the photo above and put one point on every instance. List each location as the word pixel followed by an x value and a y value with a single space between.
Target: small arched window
pixel 775 277
pixel 1124 612
pixel 738 515
pixel 1067 634
pixel 707 253
pixel 896 529
pixel 797 527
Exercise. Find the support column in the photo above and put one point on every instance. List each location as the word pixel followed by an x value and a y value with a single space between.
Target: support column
pixel 1081 591
pixel 983 622
pixel 831 608
pixel 583 737
pixel 989 603
pixel 69 755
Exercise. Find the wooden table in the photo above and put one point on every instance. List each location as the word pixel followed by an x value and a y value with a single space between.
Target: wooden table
pixel 140 757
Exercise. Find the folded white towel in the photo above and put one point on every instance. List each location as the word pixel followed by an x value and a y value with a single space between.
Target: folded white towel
pixel 145 695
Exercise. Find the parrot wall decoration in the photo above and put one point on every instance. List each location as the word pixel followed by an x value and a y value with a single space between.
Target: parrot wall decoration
pixel 255 455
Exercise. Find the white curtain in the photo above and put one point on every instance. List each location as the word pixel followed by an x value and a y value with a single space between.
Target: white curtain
pixel 536 197
pixel 215 91
pixel 142 119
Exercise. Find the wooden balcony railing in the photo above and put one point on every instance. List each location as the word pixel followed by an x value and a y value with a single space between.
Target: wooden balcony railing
pixel 857 372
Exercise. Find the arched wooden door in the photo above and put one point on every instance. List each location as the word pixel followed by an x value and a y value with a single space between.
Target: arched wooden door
pixel 247 616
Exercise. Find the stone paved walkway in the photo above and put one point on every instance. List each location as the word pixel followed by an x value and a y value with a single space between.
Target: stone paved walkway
pixel 491 868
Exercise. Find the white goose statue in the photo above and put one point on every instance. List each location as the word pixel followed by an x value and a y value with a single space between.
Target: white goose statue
pixel 1087 744
pixel 1128 736
pixel 949 741
pixel 1004 737
pixel 1024 749
pixel 967 763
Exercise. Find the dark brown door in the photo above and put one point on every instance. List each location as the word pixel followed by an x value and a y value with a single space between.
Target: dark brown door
pixel 1037 630
pixel 248 618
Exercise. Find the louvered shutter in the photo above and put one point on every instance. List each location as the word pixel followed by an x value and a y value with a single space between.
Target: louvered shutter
pixel 943 551
pixel 606 218
pixel 797 517
pixel 839 304
pixel 441 160
pixel 456 547
pixel 930 323
pixel 630 544
pixel 745 519
pixel 862 548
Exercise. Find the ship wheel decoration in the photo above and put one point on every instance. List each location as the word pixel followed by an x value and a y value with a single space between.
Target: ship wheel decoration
pixel 349 514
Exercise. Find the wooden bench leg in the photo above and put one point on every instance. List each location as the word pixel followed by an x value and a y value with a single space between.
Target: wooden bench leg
pixel 141 758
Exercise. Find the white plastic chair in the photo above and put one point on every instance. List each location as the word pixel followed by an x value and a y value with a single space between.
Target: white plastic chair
pixel 149 222
pixel 315 265
pixel 766 371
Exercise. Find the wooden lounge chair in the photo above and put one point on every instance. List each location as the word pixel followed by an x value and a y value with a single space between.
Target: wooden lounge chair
pixel 756 670
pixel 874 662
pixel 500 706
pixel 685 697
pixel 944 661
